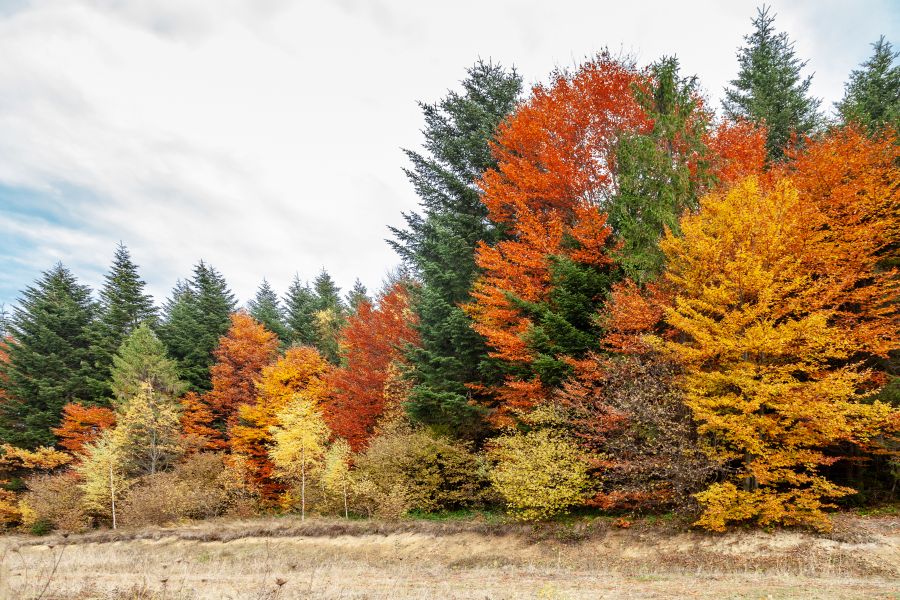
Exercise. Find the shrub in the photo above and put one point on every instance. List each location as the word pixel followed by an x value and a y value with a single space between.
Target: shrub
pixel 413 469
pixel 56 500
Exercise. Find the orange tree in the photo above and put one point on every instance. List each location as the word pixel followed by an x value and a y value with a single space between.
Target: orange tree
pixel 302 370
pixel 373 341
pixel 82 425
pixel 768 356
pixel 242 353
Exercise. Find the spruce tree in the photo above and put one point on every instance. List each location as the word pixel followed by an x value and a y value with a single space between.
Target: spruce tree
pixel 769 88
pixel 123 304
pixel 52 361
pixel 661 173
pixel 266 308
pixel 330 314
pixel 299 309
pixel 141 361
pixel 357 295
pixel 438 245
pixel 196 316
pixel 872 95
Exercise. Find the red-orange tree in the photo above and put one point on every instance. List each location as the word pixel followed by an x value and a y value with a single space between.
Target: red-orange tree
pixel 82 425
pixel 373 340
pixel 242 353
pixel 302 370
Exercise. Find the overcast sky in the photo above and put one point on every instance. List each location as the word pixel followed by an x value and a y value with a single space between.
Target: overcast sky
pixel 265 136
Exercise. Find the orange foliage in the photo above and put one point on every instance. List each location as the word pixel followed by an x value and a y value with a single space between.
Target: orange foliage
pixel 631 314
pixel 82 425
pixel 302 370
pixel 739 150
pixel 243 351
pixel 372 341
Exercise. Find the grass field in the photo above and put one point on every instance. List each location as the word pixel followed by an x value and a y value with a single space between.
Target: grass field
pixel 283 558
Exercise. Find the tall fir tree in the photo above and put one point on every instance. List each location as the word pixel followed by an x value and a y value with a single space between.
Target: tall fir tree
pixel 330 315
pixel 661 173
pixel 872 94
pixel 357 295
pixel 53 356
pixel 196 316
pixel 769 87
pixel 300 309
pixel 142 361
pixel 123 304
pixel 266 308
pixel 439 244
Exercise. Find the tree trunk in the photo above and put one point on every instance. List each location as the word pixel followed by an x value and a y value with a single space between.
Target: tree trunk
pixel 302 483
pixel 112 494
pixel 346 511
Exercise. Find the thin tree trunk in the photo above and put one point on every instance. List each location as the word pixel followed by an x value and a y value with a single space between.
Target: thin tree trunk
pixel 346 511
pixel 302 483
pixel 112 494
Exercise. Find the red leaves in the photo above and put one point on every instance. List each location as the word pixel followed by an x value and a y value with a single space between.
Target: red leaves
pixel 82 425
pixel 372 340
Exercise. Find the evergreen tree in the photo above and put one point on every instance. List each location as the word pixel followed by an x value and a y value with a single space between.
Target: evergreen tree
pixel 330 314
pixel 872 95
pixel 142 361
pixel 357 294
pixel 266 308
pixel 439 244
pixel 52 358
pixel 196 316
pixel 769 88
pixel 662 173
pixel 299 308
pixel 123 304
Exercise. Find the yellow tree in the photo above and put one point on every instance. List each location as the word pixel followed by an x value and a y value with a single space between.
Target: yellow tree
pixel 302 370
pixel 148 431
pixel 18 463
pixel 102 476
pixel 769 371
pixel 336 477
pixel 299 443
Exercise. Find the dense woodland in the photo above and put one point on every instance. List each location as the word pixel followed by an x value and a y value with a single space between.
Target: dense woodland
pixel 612 299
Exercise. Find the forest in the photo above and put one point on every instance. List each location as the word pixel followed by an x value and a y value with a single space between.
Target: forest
pixel 613 299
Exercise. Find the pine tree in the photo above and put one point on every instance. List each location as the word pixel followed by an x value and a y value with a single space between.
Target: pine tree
pixel 196 316
pixel 358 294
pixel 266 308
pixel 140 361
pixel 123 303
pixel 52 358
pixel 769 88
pixel 330 314
pixel 299 308
pixel 439 244
pixel 872 95
pixel 661 173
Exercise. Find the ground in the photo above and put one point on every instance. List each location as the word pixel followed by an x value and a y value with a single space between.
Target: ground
pixel 282 558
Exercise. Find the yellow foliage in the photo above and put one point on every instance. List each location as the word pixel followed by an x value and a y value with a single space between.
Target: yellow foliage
pixel 759 349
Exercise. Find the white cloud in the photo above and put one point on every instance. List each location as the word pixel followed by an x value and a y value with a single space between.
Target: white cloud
pixel 265 137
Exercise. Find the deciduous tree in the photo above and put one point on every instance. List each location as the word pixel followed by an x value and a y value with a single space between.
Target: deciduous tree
pixel 82 425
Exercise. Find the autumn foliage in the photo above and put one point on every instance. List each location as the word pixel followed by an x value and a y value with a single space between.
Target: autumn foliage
pixel 82 425
pixel 374 339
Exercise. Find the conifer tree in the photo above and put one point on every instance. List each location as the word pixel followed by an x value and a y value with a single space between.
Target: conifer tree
pixel 769 88
pixel 196 316
pixel 329 316
pixel 123 303
pixel 266 308
pixel 142 360
pixel 52 358
pixel 439 244
pixel 357 295
pixel 299 308
pixel 148 431
pixel 872 95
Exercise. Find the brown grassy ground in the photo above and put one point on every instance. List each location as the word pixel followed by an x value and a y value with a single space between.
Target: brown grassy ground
pixel 283 558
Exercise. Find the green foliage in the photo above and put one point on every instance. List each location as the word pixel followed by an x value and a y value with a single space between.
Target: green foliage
pixel 654 170
pixel 53 357
pixel 328 317
pixel 123 304
pixel 439 244
pixel 872 94
pixel 769 89
pixel 357 295
pixel 266 309
pixel 142 359
pixel 196 316
pixel 300 310
pixel 147 437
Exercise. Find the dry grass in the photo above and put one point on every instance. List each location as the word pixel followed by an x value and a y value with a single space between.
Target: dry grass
pixel 283 558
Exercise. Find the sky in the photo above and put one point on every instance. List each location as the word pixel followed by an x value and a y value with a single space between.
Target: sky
pixel 265 136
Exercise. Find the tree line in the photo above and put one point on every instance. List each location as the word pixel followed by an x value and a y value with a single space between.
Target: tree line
pixel 611 298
